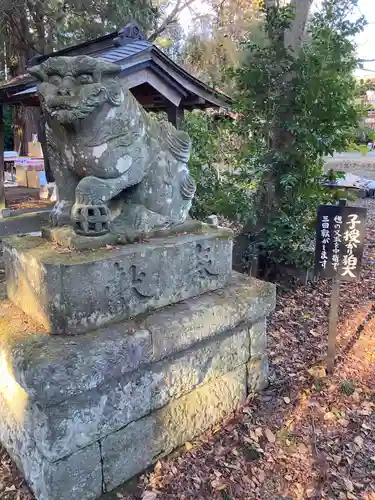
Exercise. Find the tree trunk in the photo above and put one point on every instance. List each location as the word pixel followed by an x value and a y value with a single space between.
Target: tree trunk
pixel 295 35
pixel 292 40
pixel 43 142
pixel 21 48
pixel 280 139
pixel 17 57
pixel 26 123
pixel 2 186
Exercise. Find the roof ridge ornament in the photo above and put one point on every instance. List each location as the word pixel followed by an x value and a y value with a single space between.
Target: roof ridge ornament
pixel 132 31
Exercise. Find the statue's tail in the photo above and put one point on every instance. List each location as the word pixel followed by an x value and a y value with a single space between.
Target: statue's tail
pixel 188 187
pixel 178 141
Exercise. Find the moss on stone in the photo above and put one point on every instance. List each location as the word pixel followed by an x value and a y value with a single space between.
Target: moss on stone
pixel 24 242
pixel 48 252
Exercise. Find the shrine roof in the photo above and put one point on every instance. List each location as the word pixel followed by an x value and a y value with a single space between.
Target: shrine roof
pixel 144 64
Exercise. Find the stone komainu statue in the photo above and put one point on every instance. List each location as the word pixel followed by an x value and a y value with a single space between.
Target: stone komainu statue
pixel 116 168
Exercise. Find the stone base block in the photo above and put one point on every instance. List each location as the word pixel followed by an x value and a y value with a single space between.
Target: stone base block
pixel 82 415
pixel 71 292
pixel 65 236
pixel 132 449
pixel 78 476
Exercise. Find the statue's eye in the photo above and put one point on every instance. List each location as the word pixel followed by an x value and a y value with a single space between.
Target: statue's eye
pixel 55 79
pixel 84 79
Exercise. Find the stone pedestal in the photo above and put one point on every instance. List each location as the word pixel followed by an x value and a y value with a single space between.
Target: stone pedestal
pixel 170 342
pixel 167 341
pixel 71 292
pixel 81 415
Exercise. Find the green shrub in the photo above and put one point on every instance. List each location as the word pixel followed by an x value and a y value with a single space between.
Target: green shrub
pixel 214 164
pixel 294 109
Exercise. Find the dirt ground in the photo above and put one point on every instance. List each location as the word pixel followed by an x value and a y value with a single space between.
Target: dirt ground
pixel 306 436
pixel 21 198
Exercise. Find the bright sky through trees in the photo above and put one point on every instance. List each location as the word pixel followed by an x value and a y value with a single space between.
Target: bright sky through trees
pixel 366 40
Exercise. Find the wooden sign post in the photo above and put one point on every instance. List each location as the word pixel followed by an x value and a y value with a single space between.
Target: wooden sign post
pixel 340 236
pixel 332 324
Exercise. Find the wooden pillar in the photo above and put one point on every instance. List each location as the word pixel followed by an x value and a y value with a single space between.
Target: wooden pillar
pixel 2 186
pixel 176 115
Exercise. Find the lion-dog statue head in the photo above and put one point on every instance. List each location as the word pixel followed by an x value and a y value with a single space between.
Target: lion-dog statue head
pixel 71 88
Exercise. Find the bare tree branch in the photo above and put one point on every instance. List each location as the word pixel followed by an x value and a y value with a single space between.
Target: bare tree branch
pixel 171 18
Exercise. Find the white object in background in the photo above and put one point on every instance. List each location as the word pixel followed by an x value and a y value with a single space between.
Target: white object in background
pixel 9 179
pixel 370 94
pixel 43 192
pixel 350 180
pixel 10 155
pixel 54 192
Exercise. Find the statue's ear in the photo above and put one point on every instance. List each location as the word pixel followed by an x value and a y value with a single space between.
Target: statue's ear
pixel 37 72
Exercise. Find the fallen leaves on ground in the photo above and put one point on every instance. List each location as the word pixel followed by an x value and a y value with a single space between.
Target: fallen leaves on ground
pixel 22 198
pixel 306 436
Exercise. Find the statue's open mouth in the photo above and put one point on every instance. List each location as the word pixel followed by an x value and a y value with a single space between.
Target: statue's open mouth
pixel 68 109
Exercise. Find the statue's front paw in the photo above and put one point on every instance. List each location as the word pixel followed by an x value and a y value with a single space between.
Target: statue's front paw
pixel 92 191
pixel 60 214
pixel 91 220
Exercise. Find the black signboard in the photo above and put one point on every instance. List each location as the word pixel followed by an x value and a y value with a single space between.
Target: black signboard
pixel 340 237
